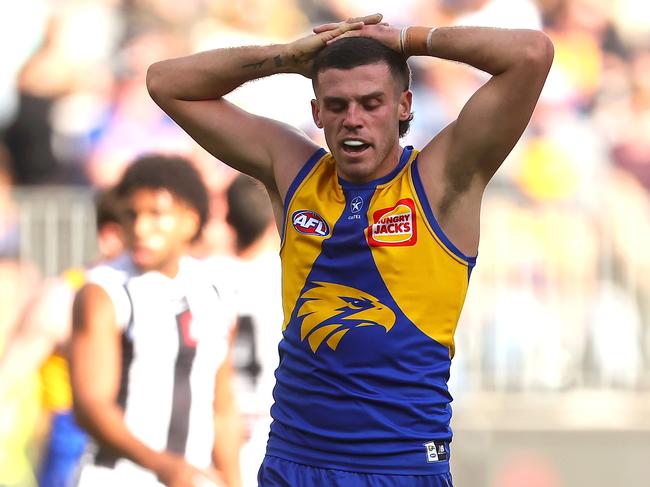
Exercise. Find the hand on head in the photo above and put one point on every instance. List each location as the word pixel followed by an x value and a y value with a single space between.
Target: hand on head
pixel 371 27
pixel 301 52
pixel 358 22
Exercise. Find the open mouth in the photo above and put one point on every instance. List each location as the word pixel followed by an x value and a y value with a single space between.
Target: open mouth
pixel 354 146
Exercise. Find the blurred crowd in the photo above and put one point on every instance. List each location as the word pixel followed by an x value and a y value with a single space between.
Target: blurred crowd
pixel 562 298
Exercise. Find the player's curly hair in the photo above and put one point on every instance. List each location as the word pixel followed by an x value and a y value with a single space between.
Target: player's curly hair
pixel 173 173
pixel 109 208
pixel 350 52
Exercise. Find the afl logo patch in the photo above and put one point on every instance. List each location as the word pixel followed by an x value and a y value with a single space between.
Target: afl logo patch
pixel 310 223
pixel 394 226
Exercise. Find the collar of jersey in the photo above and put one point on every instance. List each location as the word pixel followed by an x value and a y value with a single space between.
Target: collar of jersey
pixel 406 155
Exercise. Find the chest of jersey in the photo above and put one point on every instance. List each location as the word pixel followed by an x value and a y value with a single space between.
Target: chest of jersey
pixel 368 254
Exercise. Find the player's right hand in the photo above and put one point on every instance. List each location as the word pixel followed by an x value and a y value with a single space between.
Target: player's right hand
pixel 300 53
pixel 173 471
pixel 205 479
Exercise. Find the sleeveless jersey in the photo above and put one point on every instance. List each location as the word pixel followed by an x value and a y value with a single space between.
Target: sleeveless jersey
pixel 256 290
pixel 175 335
pixel 372 291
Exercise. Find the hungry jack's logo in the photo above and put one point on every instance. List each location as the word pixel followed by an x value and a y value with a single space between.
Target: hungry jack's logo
pixel 394 226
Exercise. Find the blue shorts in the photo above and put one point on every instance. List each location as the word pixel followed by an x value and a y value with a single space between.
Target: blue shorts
pixel 276 472
pixel 65 446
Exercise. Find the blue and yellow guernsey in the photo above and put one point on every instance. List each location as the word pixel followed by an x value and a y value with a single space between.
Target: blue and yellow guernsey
pixel 372 292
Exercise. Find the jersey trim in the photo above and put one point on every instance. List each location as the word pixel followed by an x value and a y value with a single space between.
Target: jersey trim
pixel 129 324
pixel 431 219
pixel 404 158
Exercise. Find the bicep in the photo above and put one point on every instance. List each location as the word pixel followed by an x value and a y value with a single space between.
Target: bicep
pixel 493 120
pixel 265 149
pixel 95 348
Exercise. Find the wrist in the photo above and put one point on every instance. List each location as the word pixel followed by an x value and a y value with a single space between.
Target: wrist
pixel 159 463
pixel 291 59
pixel 416 41
pixel 283 59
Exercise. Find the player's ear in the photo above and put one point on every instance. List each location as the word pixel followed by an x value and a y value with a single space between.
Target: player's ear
pixel 315 113
pixel 190 224
pixel 405 103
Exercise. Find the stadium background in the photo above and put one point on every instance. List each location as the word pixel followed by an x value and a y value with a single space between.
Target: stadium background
pixel 552 372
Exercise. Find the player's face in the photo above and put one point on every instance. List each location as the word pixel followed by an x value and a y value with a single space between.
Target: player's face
pixel 359 110
pixel 159 228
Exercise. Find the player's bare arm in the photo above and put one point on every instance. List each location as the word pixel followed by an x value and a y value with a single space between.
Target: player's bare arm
pixel 471 149
pixel 44 327
pixel 95 377
pixel 191 90
pixel 494 118
pixel 459 161
pixel 228 425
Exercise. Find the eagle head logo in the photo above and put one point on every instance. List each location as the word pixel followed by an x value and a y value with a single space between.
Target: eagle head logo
pixel 330 310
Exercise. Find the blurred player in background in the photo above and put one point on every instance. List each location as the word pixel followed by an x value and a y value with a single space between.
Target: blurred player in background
pixel 151 370
pixel 41 342
pixel 379 240
pixel 19 401
pixel 255 274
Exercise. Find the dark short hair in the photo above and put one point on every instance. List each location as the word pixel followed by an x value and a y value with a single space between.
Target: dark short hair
pixel 172 173
pixel 249 210
pixel 350 52
pixel 109 208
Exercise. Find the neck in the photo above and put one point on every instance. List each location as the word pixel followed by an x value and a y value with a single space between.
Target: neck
pixel 168 268
pixel 385 167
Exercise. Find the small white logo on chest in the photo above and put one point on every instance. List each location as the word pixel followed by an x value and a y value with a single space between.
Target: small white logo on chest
pixel 356 204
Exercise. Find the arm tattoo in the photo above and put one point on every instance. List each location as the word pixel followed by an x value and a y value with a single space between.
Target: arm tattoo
pixel 256 65
pixel 278 61
pixel 300 58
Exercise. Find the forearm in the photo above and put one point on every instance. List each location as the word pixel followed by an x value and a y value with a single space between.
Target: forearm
pixel 488 49
pixel 213 74
pixel 227 446
pixel 105 422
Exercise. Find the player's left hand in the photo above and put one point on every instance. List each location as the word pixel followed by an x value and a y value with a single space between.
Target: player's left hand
pixel 372 19
pixel 300 53
pixel 381 31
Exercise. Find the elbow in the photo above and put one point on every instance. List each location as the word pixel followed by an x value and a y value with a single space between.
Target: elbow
pixel 80 415
pixel 155 81
pixel 83 408
pixel 539 50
